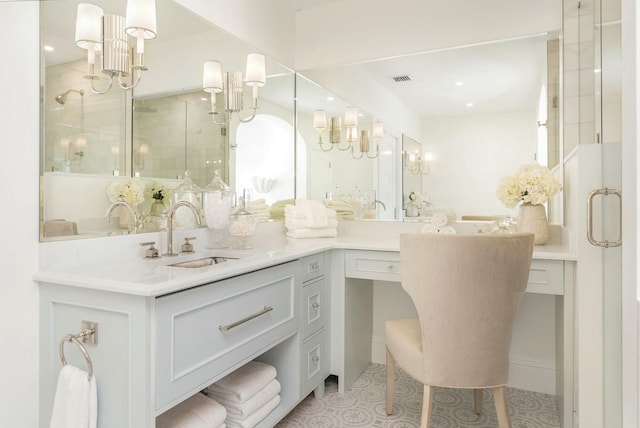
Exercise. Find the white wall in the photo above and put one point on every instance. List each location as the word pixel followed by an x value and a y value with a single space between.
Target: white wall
pixel 470 155
pixel 19 118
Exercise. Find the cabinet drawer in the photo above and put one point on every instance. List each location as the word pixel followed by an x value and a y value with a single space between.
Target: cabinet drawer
pixel 204 332
pixel 380 265
pixel 314 306
pixel 312 267
pixel 314 363
pixel 546 277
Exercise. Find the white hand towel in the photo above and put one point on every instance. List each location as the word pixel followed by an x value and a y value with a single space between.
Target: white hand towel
pixel 197 411
pixel 300 223
pixel 439 219
pixel 313 233
pixel 242 410
pixel 76 402
pixel 292 211
pixel 253 419
pixel 245 382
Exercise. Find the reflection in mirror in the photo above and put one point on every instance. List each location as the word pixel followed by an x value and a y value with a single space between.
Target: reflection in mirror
pixel 157 131
pixel 335 167
pixel 484 110
pixel 412 179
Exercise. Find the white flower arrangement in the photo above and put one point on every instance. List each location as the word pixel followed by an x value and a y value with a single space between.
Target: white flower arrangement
pixel 416 198
pixel 532 183
pixel 130 191
pixel 158 191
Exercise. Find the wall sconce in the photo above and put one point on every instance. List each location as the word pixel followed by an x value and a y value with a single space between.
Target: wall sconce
pixel 416 163
pixel 335 129
pixel 115 151
pixel 143 151
pixel 231 86
pixel 376 135
pixel 107 35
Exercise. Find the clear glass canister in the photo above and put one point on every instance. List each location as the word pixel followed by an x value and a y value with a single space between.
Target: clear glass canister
pixel 243 222
pixel 190 192
pixel 217 199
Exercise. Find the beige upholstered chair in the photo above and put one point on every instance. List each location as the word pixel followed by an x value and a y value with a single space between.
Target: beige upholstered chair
pixel 466 289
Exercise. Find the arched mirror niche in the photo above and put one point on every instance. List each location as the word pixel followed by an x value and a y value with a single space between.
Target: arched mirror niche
pixel 483 109
pixel 156 131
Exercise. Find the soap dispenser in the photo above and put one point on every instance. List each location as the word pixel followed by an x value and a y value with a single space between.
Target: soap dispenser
pixel 217 209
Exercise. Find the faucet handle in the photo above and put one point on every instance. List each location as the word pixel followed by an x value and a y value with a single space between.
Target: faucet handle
pixel 187 247
pixel 151 252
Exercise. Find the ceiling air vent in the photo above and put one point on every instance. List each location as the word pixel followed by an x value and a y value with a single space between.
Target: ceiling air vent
pixel 403 78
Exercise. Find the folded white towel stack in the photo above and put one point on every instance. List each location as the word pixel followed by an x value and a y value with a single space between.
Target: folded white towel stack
pixel 248 394
pixel 343 209
pixel 310 219
pixel 198 411
pixel 438 224
pixel 76 402
pixel 260 209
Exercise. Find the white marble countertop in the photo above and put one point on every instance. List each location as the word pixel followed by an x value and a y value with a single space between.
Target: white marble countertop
pixel 116 264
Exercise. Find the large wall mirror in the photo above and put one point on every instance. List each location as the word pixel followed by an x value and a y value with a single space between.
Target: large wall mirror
pixel 484 110
pixel 158 130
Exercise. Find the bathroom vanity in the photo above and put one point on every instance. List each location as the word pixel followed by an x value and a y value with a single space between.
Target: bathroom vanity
pixel 166 332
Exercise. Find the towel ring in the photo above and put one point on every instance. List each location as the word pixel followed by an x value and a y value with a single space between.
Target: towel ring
pixel 74 339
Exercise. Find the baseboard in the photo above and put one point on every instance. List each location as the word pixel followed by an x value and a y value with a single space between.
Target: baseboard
pixel 525 373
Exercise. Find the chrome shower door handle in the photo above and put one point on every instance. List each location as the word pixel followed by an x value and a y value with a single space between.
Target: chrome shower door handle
pixel 605 243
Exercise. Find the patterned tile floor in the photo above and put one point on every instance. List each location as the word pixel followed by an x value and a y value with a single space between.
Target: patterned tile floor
pixel 363 406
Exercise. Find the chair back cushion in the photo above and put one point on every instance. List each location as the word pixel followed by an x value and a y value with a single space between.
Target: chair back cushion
pixel 466 289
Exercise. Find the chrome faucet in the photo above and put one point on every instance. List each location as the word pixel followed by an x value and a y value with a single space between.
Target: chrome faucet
pixel 170 214
pixel 381 203
pixel 133 212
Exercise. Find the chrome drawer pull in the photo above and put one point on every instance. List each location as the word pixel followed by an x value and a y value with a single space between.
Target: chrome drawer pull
pixel 244 320
pixel 315 306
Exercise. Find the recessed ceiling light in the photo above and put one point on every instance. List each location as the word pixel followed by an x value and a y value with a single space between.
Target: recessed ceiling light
pixel 48 48
pixel 459 83
pixel 204 99
pixel 469 104
pixel 329 98
pixel 597 70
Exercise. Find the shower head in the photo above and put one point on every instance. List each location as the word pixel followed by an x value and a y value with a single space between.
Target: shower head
pixel 62 98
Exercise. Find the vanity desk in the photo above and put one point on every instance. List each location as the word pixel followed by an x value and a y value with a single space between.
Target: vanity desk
pixel 164 332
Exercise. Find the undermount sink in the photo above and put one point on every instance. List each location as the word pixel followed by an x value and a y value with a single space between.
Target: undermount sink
pixel 198 263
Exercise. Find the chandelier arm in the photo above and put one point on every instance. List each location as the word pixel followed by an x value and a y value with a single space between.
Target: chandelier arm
pixel 96 91
pixel 349 146
pixel 133 85
pixel 213 118
pixel 354 156
pixel 376 155
pixel 250 118
pixel 322 146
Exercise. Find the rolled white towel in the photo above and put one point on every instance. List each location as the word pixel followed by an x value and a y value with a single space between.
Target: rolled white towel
pixel 245 382
pixel 439 219
pixel 253 419
pixel 328 232
pixel 428 228
pixel 75 404
pixel 242 410
pixel 197 411
pixel 447 230
pixel 299 223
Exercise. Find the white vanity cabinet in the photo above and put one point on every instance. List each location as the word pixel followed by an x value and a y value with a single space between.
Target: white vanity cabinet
pixel 155 351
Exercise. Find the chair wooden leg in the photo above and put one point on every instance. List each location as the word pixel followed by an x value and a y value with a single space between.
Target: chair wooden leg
pixel 477 401
pixel 391 373
pixel 426 406
pixel 502 410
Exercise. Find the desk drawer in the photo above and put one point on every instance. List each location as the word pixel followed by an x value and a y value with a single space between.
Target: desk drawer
pixel 546 277
pixel 193 346
pixel 314 306
pixel 380 265
pixel 312 267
